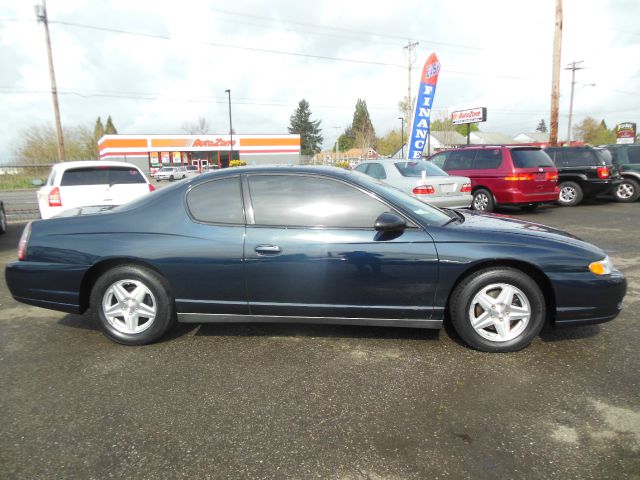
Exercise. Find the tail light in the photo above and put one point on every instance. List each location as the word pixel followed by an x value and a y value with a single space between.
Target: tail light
pixel 24 240
pixel 54 197
pixel 552 176
pixel 423 190
pixel 466 188
pixel 603 172
pixel 151 188
pixel 521 176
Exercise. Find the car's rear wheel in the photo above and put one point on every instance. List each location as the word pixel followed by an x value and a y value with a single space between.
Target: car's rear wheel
pixel 132 305
pixel 483 200
pixel 497 310
pixel 627 191
pixel 570 194
pixel 3 219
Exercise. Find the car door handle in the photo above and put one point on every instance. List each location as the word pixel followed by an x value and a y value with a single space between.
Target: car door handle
pixel 268 250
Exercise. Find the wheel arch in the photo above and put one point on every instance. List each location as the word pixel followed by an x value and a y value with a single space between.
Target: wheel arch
pixel 533 271
pixel 631 175
pixel 97 270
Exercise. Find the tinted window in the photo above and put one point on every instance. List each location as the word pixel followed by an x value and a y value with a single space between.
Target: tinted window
pixel 415 169
pixel 218 201
pixel 614 154
pixel 306 201
pixel 488 158
pixel 530 158
pixel 361 168
pixel 438 160
pixel 605 156
pixel 634 154
pixel 580 158
pixel 376 170
pixel 459 160
pixel 101 176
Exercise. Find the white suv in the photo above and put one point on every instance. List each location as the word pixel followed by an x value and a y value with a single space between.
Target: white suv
pixel 83 184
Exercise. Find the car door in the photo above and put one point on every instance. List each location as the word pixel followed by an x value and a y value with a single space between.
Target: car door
pixel 311 251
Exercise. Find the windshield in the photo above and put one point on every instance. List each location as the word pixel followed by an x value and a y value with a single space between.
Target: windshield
pixel 415 169
pixel 530 157
pixel 429 214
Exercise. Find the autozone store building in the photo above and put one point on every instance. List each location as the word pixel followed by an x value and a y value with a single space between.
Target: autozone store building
pixel 152 152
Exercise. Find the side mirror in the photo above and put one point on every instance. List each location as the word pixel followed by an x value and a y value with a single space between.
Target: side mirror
pixel 390 222
pixel 36 182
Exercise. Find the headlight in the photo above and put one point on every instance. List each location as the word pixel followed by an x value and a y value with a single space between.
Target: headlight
pixel 601 267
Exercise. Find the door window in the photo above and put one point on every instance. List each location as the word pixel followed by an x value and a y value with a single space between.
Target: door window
pixel 580 158
pixel 217 201
pixel 460 160
pixel 438 160
pixel 634 154
pixel 487 159
pixel 376 170
pixel 305 201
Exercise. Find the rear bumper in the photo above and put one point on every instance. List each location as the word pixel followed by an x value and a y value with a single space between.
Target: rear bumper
pixel 48 285
pixel 454 201
pixel 518 196
pixel 600 187
pixel 584 299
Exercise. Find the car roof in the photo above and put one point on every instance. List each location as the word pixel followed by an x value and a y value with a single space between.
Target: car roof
pixel 91 163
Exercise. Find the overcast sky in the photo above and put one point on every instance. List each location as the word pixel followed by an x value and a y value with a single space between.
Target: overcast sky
pixel 495 54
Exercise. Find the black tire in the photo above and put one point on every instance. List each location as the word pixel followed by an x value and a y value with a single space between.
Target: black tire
pixel 530 208
pixel 159 297
pixel 483 200
pixel 628 191
pixel 3 219
pixel 171 178
pixel 464 294
pixel 571 194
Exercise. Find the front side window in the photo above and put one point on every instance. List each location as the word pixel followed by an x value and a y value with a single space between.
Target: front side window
pixel 306 201
pixel 438 159
pixel 217 201
pixel 101 176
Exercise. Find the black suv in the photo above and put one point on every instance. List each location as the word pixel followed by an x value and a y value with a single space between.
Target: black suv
pixel 582 172
pixel 626 158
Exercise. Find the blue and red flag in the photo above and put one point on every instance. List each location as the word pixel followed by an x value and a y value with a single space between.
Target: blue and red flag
pixel 422 113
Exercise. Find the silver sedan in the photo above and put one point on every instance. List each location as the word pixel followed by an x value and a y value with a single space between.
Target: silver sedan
pixel 422 180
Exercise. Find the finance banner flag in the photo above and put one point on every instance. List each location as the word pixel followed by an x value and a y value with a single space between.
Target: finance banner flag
pixel 422 113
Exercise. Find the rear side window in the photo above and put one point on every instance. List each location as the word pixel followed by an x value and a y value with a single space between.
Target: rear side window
pixel 530 158
pixel 605 156
pixel 634 154
pixel 376 170
pixel 460 160
pixel 487 159
pixel 362 168
pixel 101 176
pixel 580 158
pixel 301 201
pixel 218 201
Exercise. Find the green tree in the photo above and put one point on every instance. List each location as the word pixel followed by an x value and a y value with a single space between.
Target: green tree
pixel 365 135
pixel 390 143
pixel 309 130
pixel 347 140
pixel 594 133
pixel 542 126
pixel 446 125
pixel 39 145
pixel 109 128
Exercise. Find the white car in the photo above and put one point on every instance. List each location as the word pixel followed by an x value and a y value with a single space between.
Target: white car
pixel 90 183
pixel 171 173
pixel 422 180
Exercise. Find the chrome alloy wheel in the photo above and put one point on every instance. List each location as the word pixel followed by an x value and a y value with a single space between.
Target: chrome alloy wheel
pixel 567 194
pixel 481 202
pixel 625 190
pixel 129 306
pixel 499 312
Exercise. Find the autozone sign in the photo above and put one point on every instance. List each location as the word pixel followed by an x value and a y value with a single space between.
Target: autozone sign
pixel 473 115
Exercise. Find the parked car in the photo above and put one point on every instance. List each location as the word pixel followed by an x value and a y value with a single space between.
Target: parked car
pixel 311 245
pixel 171 173
pixel 582 172
pixel 80 184
pixel 626 158
pixel 3 218
pixel 503 175
pixel 421 179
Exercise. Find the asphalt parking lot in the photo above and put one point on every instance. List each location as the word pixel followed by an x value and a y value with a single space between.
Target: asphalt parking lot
pixel 287 401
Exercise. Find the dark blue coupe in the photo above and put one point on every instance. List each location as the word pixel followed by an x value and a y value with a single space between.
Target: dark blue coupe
pixel 316 245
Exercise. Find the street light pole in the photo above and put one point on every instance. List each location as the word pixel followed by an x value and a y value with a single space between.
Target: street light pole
pixel 573 67
pixel 228 92
pixel 402 134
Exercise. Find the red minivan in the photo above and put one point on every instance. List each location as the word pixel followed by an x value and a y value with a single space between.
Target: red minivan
pixel 503 175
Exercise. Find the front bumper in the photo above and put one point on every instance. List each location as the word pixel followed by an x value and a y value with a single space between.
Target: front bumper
pixel 584 298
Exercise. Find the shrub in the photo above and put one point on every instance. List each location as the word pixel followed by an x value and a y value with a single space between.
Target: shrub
pixel 237 163
pixel 344 165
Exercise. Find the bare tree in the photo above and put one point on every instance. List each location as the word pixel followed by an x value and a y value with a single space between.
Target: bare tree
pixel 198 127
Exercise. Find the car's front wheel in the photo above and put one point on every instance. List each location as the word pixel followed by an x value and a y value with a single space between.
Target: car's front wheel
pixel 171 178
pixel 570 194
pixel 627 191
pixel 483 200
pixel 498 310
pixel 132 305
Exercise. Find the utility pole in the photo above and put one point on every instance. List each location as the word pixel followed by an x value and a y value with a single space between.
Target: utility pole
pixel 555 77
pixel 409 47
pixel 41 15
pixel 228 92
pixel 573 66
